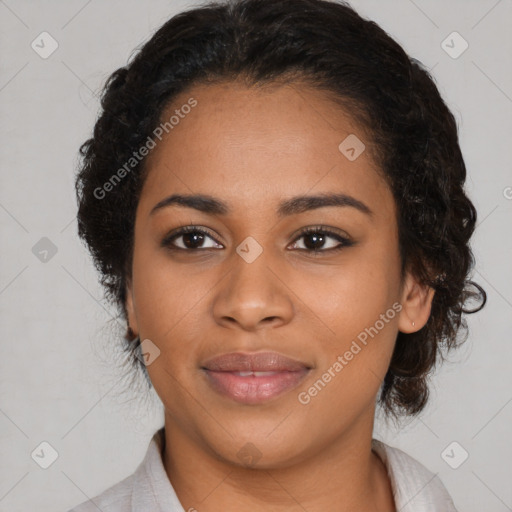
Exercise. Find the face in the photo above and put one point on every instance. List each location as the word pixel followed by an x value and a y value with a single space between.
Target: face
pixel 318 312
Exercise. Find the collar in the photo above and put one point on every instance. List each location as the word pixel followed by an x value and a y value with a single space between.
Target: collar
pixel 415 488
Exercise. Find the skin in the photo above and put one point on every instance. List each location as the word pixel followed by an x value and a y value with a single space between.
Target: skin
pixel 252 148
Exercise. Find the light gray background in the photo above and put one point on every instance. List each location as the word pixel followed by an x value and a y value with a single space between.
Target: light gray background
pixel 58 381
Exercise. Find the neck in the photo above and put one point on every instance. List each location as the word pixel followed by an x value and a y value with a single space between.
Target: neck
pixel 345 476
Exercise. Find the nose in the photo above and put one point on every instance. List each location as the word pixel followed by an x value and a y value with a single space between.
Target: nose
pixel 253 296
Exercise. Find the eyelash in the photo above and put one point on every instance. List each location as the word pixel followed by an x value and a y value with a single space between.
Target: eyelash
pixel 344 242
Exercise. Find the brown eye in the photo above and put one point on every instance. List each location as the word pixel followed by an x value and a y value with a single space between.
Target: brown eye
pixel 318 239
pixel 190 238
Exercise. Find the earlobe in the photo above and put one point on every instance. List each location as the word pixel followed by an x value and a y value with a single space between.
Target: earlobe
pixel 416 305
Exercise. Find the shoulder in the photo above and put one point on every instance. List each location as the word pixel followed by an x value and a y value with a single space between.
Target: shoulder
pixel 148 488
pixel 415 488
pixel 117 498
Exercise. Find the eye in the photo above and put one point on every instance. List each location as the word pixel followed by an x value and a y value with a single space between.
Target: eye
pixel 320 239
pixel 316 239
pixel 192 237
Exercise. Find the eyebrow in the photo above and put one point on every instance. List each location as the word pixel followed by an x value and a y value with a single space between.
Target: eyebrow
pixel 298 204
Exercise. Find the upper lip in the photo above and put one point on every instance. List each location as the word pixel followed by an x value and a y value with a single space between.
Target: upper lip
pixel 256 362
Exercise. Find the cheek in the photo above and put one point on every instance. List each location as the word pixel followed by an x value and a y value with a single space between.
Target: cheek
pixel 351 297
pixel 169 303
pixel 356 356
pixel 163 293
pixel 359 304
pixel 353 363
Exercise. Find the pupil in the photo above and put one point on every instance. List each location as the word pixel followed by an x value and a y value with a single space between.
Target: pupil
pixel 191 239
pixel 317 238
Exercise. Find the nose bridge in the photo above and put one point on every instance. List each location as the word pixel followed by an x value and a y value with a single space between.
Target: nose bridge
pixel 252 294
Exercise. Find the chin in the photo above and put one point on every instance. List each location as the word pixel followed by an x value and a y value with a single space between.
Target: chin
pixel 264 445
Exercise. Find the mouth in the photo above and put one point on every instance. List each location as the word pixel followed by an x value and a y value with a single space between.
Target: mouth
pixel 254 378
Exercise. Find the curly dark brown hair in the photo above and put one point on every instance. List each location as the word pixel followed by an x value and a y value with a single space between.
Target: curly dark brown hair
pixel 326 44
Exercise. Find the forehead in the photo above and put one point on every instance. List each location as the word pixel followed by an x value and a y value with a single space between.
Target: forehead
pixel 253 146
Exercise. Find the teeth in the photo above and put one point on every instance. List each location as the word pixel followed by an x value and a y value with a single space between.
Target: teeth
pixel 255 374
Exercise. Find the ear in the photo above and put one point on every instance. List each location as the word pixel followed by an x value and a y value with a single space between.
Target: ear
pixel 416 303
pixel 130 309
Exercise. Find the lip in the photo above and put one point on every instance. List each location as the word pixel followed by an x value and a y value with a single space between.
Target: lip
pixel 232 375
pixel 256 362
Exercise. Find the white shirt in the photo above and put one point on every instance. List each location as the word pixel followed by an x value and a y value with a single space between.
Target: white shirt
pixel 148 489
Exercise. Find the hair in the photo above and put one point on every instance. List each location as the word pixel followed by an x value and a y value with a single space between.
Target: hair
pixel 412 137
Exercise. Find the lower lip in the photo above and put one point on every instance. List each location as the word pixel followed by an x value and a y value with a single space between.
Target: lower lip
pixel 252 389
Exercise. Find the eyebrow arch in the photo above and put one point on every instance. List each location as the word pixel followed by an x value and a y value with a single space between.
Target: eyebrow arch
pixel 298 204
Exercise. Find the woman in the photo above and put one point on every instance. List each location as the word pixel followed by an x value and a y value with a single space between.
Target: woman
pixel 273 195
